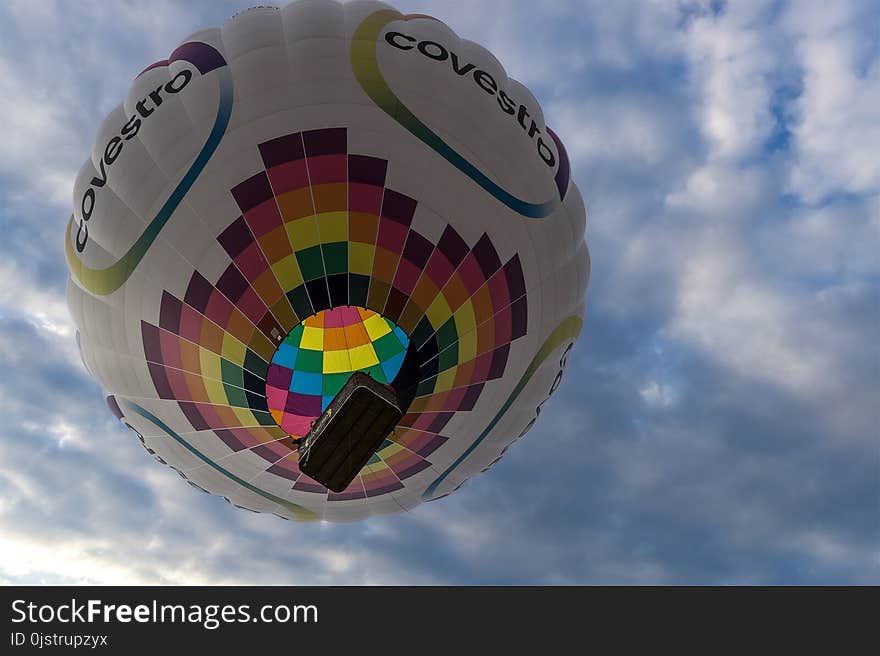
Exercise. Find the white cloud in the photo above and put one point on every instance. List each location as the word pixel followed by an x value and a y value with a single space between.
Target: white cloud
pixel 837 134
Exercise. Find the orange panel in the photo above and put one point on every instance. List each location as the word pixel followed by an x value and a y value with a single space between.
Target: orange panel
pixel 331 197
pixel 296 204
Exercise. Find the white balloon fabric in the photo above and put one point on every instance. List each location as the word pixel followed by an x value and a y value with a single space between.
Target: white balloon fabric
pixel 307 192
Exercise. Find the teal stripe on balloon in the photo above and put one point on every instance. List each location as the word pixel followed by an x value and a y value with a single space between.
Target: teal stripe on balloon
pixel 568 329
pixel 300 512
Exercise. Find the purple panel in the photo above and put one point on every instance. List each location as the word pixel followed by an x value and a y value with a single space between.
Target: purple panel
pixel 329 141
pixel 439 268
pixel 169 313
pixel 499 361
pixel 232 284
pixel 283 149
pixel 412 469
pixel 429 444
pixel 278 470
pixel 251 262
pixel 471 274
pixel 487 256
pixel 161 62
pixel 471 396
pixel 503 326
pixel 327 168
pixel 152 346
pixel 219 308
pixel 368 170
pixel 406 277
pixel 440 421
pixel 563 172
pixel 364 198
pixel 236 237
pixel 279 377
pixel 353 491
pixel 160 380
pixel 252 191
pixel 265 453
pixel 263 218
pixel 229 439
pixel 519 317
pixel 190 324
pixel 204 57
pixel 303 404
pixel 198 293
pixel 390 487
pixel 251 305
pixel 392 236
pixel 398 207
pixel 114 407
pixel 515 281
pixel 498 290
pixel 417 249
pixel 482 364
pixel 452 246
pixel 195 417
pixel 306 484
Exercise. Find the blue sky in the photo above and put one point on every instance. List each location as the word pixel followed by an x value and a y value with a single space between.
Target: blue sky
pixel 720 417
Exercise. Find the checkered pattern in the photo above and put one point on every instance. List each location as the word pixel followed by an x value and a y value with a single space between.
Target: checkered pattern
pixel 319 355
pixel 320 240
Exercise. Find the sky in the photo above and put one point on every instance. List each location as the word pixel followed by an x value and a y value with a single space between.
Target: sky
pixel 719 422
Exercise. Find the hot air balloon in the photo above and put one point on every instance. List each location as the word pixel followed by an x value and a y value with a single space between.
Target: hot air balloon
pixel 311 216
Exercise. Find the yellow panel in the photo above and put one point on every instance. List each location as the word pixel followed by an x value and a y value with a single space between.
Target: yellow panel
pixel 232 350
pixel 216 392
pixel 439 312
pixel 245 417
pixel 333 226
pixel 336 362
pixel 376 327
pixel 288 273
pixel 389 451
pixel 312 339
pixel 210 364
pixel 467 346
pixel 374 468
pixel 360 258
pixel 445 380
pixel 464 318
pixel 363 356
pixel 303 233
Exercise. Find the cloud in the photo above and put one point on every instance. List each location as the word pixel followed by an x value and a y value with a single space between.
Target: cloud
pixel 717 422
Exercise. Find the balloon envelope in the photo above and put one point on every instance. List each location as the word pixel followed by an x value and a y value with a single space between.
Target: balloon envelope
pixel 307 192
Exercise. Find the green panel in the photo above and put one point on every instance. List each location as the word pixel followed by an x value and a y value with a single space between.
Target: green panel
pixel 255 364
pixel 310 263
pixel 300 302
pixel 447 334
pixel 448 358
pixel 358 288
pixel 235 395
pixel 310 361
pixel 231 373
pixel 387 346
pixel 422 333
pixel 264 418
pixel 377 373
pixel 332 383
pixel 336 257
pixel 426 387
